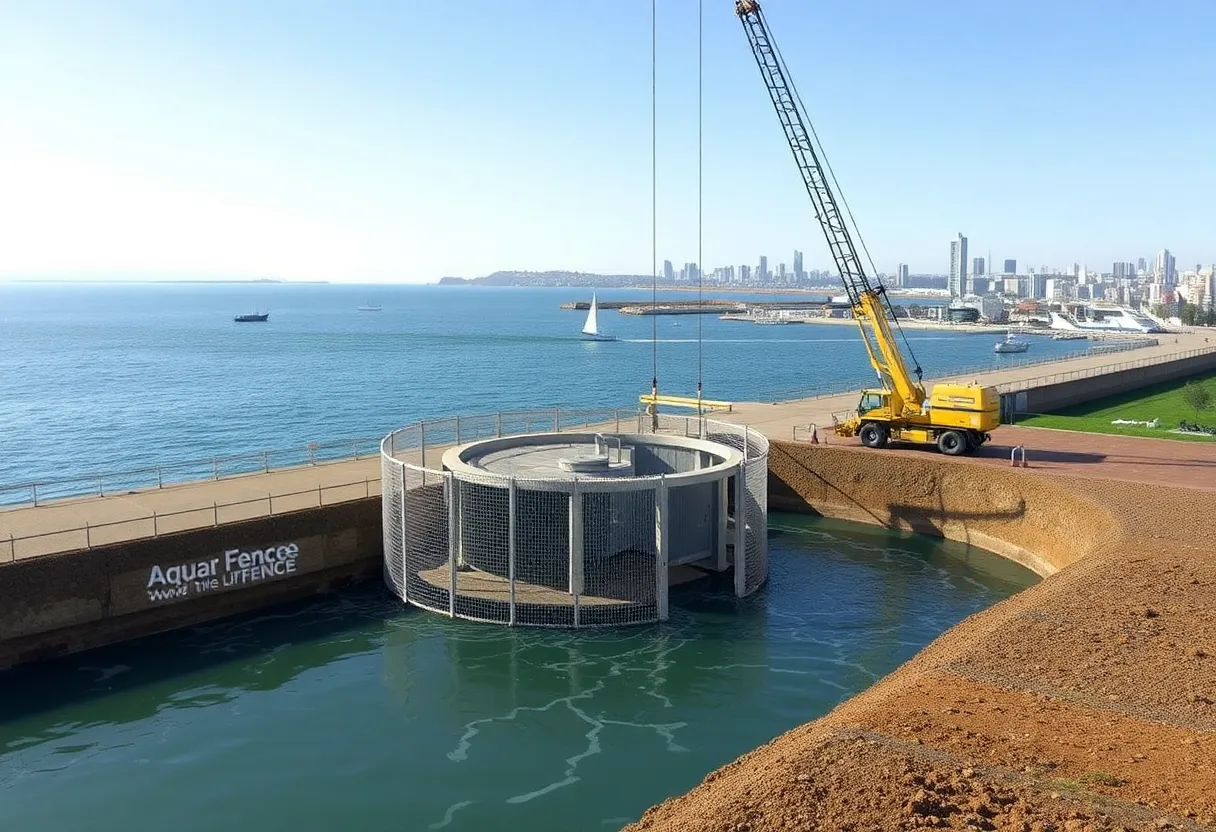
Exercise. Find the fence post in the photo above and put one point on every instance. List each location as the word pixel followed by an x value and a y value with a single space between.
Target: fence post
pixel 354 446
pixel 405 545
pixel 215 469
pixel 511 512
pixel 741 530
pixel 661 538
pixel 457 430
pixel 367 488
pixel 215 513
pixel 453 533
pixel 34 488
pixel 266 461
pixel 270 502
pixel 320 501
pixel 155 525
pixel 557 421
pixel 498 430
pixel 422 434
pixel 575 545
pixel 88 537
pixel 100 489
pixel 617 412
pixel 723 507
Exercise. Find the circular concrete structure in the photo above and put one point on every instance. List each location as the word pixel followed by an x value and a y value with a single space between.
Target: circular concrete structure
pixel 573 529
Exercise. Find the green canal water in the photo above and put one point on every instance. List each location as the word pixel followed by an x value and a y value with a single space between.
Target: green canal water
pixel 349 712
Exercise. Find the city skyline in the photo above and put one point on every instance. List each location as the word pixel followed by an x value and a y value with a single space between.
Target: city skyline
pixel 317 142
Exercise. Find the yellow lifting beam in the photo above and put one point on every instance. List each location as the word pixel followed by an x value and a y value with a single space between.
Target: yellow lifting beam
pixel 707 405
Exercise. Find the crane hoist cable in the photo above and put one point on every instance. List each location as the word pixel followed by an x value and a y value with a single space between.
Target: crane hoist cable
pixel 700 197
pixel 654 218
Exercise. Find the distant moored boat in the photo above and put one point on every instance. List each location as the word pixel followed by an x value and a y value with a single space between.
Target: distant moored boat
pixel 1010 344
pixel 256 317
pixel 370 307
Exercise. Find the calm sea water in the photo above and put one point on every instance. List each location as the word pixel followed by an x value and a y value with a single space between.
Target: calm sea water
pixel 99 378
pixel 349 712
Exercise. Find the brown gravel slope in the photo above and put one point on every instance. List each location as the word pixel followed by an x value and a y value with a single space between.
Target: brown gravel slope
pixel 1082 703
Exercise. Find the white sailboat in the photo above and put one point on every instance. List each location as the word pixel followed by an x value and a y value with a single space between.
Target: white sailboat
pixel 591 328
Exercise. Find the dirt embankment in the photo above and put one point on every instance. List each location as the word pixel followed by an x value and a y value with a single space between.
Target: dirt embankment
pixel 1083 703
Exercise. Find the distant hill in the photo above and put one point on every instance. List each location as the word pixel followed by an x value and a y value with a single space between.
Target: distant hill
pixel 556 278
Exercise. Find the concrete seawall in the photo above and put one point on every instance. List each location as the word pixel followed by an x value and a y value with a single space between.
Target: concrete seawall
pixel 1044 398
pixel 60 603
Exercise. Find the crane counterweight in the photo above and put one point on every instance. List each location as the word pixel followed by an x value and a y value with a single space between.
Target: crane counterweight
pixel 955 417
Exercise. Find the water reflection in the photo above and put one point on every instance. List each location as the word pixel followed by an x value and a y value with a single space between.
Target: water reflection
pixel 432 723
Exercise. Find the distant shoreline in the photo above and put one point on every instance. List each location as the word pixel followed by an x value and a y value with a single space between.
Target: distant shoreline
pixel 193 281
pixel 817 292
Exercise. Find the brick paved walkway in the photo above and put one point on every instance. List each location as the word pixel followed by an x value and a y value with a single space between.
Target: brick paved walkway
pixel 1164 461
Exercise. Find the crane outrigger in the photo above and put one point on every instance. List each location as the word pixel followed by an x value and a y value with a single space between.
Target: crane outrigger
pixel 955 417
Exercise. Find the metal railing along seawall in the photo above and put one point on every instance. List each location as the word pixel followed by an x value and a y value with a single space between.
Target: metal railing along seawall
pixel 181 473
pixel 143 521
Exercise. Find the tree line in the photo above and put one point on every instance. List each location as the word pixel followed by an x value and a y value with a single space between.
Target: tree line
pixel 1189 314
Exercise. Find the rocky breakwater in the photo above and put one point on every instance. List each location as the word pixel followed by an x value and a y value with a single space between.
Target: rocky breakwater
pixel 1083 703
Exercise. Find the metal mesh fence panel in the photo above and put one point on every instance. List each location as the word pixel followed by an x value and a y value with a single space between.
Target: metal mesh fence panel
pixel 425 540
pixel 542 556
pixel 483 589
pixel 393 524
pixel 619 583
pixel 756 541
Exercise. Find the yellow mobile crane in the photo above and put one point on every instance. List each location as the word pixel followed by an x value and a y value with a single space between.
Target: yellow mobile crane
pixel 955 417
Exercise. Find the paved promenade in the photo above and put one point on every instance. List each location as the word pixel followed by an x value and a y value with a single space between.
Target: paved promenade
pixel 65 525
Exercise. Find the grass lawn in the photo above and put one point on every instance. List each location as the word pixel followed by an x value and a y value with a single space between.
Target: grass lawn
pixel 1161 401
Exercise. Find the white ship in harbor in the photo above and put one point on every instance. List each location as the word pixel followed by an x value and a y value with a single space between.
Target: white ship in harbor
pixel 1102 317
pixel 1011 344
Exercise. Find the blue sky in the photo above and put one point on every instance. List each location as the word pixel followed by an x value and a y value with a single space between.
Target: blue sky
pixel 404 141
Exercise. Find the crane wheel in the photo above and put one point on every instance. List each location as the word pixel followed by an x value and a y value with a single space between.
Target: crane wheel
pixel 873 435
pixel 952 443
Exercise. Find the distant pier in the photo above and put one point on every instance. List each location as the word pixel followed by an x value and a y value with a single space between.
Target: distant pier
pixel 693 307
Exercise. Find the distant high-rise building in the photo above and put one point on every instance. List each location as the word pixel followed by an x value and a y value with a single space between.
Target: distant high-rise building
pixel 781 272
pixel 1118 270
pixel 690 272
pixel 977 267
pixel 798 273
pixel 901 274
pixel 1011 266
pixel 957 284
pixel 745 274
pixel 1141 265
pixel 762 272
pixel 669 274
pixel 1163 269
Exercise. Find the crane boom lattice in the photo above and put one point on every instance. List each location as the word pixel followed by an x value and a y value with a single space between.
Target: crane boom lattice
pixel 867 299
pixel 794 123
